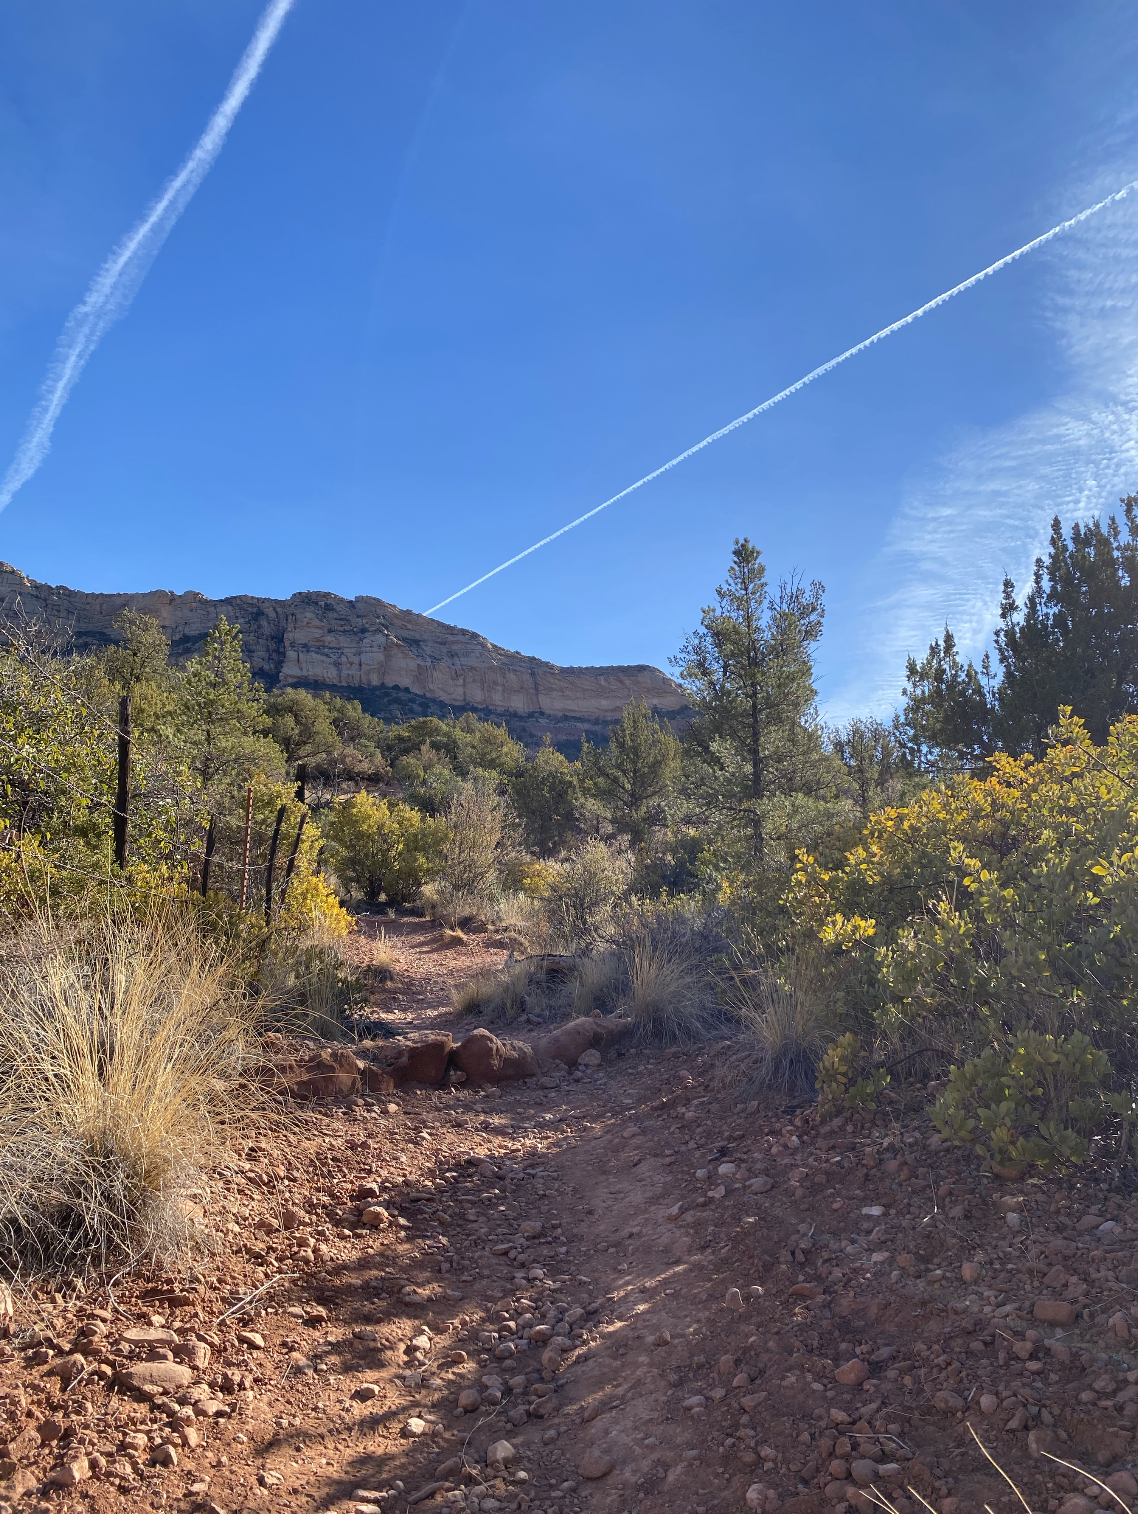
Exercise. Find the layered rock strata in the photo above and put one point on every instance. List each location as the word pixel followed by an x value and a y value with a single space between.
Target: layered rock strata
pixel 398 664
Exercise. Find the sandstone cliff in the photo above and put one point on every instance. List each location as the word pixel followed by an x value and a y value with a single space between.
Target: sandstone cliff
pixel 396 663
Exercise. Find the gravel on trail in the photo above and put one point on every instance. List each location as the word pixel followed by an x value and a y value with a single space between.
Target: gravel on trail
pixel 612 1291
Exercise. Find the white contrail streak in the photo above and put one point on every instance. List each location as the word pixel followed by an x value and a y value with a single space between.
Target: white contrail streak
pixel 801 384
pixel 118 281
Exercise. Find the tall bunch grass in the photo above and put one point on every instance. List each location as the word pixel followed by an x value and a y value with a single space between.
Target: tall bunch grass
pixel 494 995
pixel 671 998
pixel 126 1053
pixel 787 1023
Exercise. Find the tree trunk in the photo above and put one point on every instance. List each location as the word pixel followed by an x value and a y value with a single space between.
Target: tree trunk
pixel 207 860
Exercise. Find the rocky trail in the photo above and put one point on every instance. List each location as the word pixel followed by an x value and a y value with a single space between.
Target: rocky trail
pixel 605 1290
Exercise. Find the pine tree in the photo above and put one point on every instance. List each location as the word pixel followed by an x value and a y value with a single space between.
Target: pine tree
pixel 221 717
pixel 876 769
pixel 1074 641
pixel 945 724
pixel 633 778
pixel 749 673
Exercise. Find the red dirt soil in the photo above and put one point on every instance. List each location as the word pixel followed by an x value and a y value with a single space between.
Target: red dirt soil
pixel 660 1300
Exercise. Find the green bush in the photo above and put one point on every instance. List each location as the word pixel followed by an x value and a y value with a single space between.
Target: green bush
pixel 582 897
pixel 838 1085
pixel 1031 1101
pixel 382 849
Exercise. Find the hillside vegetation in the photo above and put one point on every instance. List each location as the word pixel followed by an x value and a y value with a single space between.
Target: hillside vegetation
pixel 950 897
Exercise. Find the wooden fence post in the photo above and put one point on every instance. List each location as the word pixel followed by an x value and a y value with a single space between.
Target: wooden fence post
pixel 207 860
pixel 272 864
pixel 292 855
pixel 122 792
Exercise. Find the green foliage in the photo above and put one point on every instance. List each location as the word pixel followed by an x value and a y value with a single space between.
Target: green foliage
pixel 140 657
pixel 466 745
pixel 877 771
pixel 546 796
pixel 1030 1100
pixel 382 849
pixel 1001 901
pixel 838 1085
pixel 755 762
pixel 427 779
pixel 474 850
pixel 1075 640
pixel 221 719
pixel 945 724
pixel 301 725
pixel 634 778
pixel 1072 643
pixel 582 897
pixel 58 738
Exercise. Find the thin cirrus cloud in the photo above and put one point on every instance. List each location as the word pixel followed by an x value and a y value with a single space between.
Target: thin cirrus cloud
pixel 985 508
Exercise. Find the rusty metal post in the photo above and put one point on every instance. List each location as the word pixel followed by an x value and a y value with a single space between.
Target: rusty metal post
pixel 245 852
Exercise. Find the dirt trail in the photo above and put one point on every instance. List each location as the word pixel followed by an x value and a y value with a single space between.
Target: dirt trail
pixel 659 1301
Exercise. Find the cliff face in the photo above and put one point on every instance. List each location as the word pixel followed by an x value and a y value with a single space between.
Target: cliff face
pixel 396 663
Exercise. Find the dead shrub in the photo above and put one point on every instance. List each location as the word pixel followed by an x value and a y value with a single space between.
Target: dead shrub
pixel 127 1053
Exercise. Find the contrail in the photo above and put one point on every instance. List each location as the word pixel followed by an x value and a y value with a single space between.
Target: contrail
pixel 801 384
pixel 118 281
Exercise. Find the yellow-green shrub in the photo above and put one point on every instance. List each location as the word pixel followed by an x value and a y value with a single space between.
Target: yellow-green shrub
pixel 838 1084
pixel 382 848
pixel 1031 1100
pixel 997 901
pixel 311 906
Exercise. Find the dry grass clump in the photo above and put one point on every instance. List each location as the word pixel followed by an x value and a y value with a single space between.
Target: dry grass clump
pixel 384 965
pixel 670 996
pixel 308 986
pixel 787 1025
pixel 599 983
pixel 125 1053
pixel 495 995
pixel 453 938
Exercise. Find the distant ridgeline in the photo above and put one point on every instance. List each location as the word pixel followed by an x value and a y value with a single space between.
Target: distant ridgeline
pixel 399 665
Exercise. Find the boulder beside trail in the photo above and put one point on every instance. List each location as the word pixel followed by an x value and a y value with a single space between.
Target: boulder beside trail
pixel 567 1042
pixel 484 1058
pixel 325 1072
pixel 336 1072
pixel 411 1059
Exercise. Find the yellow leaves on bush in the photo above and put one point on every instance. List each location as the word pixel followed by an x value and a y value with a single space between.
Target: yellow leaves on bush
pixel 843 933
pixel 311 908
pixel 531 878
pixel 1018 888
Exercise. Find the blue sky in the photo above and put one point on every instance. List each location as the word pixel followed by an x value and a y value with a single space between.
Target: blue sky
pixel 464 269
